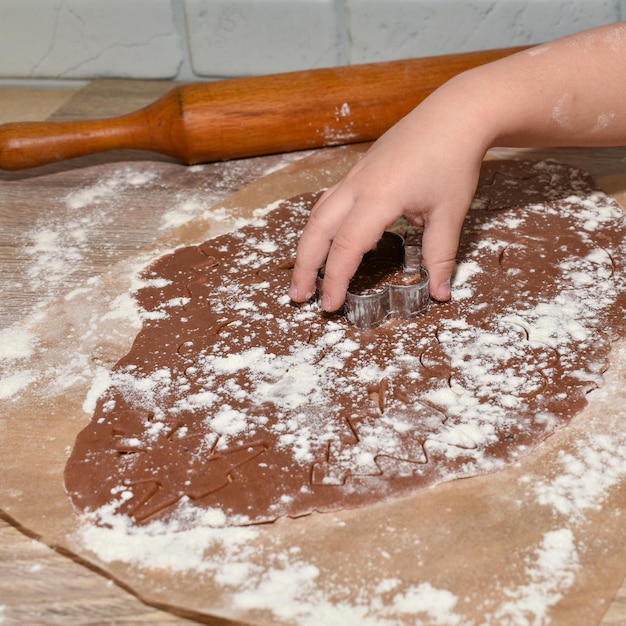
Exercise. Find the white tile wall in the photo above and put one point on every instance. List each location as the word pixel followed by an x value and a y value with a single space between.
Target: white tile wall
pixel 407 28
pixel 86 38
pixel 199 39
pixel 261 36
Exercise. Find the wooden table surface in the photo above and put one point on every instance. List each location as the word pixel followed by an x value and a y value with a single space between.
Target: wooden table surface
pixel 37 584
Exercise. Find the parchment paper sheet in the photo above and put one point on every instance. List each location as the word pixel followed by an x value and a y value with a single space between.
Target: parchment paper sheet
pixel 480 545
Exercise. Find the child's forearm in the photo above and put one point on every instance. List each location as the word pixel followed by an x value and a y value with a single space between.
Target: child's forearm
pixel 571 92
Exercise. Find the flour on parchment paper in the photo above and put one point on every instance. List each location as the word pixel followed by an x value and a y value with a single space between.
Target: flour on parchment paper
pixel 67 243
pixel 59 243
pixel 289 589
pixel 21 363
pixel 57 252
pixel 292 589
pixel 275 579
pixel 279 580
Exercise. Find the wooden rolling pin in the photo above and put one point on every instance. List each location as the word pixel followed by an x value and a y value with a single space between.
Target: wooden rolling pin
pixel 243 117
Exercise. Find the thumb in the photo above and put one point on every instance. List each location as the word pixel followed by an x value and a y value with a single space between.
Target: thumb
pixel 440 244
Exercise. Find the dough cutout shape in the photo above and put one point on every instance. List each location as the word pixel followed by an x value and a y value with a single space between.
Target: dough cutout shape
pixel 233 398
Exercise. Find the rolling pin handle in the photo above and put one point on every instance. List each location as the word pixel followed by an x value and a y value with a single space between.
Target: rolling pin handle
pixel 30 144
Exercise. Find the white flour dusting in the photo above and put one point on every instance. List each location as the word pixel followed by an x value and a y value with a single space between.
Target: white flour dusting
pixel 16 343
pixel 106 189
pixel 604 121
pixel 493 379
pixel 182 213
pixel 272 578
pixel 560 111
pixel 280 581
pixel 67 244
pixel 551 571
pixel 586 477
pixel 61 242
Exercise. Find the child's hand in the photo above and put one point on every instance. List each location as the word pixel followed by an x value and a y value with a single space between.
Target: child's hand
pixel 426 168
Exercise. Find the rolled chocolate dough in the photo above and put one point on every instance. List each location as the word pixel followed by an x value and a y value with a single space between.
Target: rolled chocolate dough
pixel 233 398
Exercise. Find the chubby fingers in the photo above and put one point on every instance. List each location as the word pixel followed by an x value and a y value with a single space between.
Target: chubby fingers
pixel 313 248
pixel 440 243
pixel 338 233
pixel 342 227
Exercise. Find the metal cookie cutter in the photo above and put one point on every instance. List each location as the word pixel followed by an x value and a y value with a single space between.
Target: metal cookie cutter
pixel 390 283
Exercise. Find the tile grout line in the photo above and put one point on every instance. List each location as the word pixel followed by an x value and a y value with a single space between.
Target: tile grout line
pixel 343 31
pixel 179 16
